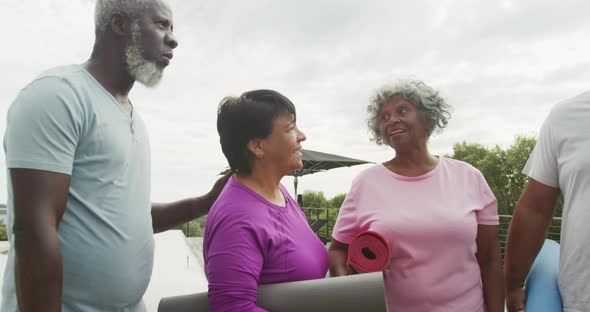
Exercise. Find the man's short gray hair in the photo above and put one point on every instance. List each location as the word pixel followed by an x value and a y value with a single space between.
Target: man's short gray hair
pixel 426 100
pixel 105 9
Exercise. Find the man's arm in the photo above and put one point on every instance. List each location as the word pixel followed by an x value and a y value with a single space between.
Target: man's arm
pixel 530 223
pixel 170 215
pixel 490 264
pixel 39 199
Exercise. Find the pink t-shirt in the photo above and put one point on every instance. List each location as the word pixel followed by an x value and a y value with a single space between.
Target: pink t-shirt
pixel 430 224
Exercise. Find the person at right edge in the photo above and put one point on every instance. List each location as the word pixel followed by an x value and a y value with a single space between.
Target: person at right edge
pixel 559 164
pixel 437 215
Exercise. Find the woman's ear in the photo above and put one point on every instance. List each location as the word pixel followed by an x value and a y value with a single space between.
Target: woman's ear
pixel 428 123
pixel 255 147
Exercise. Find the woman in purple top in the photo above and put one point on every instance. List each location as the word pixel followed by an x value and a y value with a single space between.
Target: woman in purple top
pixel 255 232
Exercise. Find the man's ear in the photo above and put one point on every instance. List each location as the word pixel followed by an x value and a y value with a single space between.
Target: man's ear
pixel 120 24
pixel 255 147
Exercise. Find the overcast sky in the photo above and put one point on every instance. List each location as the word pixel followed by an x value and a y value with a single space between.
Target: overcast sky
pixel 501 64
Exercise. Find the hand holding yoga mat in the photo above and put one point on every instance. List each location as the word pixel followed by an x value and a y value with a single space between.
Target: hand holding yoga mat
pixel 368 252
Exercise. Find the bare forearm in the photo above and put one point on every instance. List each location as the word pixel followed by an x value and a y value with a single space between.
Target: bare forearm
pixel 170 215
pixel 493 289
pixel 38 271
pixel 167 216
pixel 338 253
pixel 489 260
pixel 39 199
pixel 525 237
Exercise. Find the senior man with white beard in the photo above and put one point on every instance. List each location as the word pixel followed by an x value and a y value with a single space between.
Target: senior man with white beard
pixel 78 162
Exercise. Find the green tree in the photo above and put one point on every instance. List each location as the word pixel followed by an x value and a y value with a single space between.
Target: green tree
pixel 3 233
pixel 325 213
pixel 196 227
pixel 336 201
pixel 501 168
pixel 314 199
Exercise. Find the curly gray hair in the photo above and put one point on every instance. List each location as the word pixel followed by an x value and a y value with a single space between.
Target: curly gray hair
pixel 426 100
pixel 105 9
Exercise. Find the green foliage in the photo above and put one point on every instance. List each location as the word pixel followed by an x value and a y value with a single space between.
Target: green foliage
pixel 3 233
pixel 323 210
pixel 314 199
pixel 326 215
pixel 196 227
pixel 337 201
pixel 501 168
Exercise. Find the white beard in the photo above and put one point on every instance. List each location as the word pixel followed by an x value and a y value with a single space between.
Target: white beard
pixel 146 72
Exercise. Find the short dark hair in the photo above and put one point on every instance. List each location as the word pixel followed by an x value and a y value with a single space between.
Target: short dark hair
pixel 249 116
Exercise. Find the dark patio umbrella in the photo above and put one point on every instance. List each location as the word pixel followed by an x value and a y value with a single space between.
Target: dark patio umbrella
pixel 317 162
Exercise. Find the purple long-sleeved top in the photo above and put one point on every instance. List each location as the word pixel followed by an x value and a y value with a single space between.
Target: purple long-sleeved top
pixel 250 241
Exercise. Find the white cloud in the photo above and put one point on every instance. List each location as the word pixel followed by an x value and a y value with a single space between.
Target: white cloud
pixel 502 65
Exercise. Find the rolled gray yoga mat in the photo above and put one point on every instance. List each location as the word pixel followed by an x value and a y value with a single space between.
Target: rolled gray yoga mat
pixel 361 292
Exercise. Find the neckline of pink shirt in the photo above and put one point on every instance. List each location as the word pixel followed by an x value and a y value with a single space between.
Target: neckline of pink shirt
pixel 416 178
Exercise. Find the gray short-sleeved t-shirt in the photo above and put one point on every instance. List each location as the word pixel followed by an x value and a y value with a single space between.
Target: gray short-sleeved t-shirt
pixel 561 159
pixel 66 122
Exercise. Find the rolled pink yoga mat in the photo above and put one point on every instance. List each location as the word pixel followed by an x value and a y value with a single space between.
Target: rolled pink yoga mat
pixel 368 252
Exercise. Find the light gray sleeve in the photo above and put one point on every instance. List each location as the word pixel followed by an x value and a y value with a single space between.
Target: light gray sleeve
pixel 542 163
pixel 43 127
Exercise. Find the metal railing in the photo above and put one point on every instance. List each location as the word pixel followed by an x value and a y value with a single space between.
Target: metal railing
pixel 554 232
pixel 322 222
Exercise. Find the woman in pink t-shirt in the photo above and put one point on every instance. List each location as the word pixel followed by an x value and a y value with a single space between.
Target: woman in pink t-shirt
pixel 438 215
